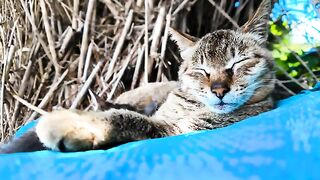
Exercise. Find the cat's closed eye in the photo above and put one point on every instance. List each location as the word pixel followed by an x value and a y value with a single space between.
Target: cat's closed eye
pixel 202 71
pixel 240 61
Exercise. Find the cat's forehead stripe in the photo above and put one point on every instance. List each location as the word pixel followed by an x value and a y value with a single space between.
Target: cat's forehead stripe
pixel 223 46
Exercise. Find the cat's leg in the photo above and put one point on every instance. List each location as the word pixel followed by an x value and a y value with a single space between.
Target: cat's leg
pixel 68 130
pixel 145 99
pixel 29 141
pixel 147 96
pixel 26 143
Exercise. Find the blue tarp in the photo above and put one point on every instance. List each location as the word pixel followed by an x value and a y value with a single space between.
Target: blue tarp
pixel 282 143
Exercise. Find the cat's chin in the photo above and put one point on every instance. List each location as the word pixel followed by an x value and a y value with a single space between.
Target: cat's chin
pixel 222 109
pixel 218 107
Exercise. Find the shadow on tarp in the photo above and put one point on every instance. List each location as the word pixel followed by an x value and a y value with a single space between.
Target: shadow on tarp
pixel 284 142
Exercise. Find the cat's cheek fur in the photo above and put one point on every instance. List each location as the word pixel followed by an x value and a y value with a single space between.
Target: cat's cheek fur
pixel 188 83
pixel 236 98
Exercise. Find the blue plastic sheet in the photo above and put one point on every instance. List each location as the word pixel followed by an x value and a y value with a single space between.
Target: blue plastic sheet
pixel 280 144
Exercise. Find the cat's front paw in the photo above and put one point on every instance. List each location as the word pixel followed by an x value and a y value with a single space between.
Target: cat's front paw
pixel 67 130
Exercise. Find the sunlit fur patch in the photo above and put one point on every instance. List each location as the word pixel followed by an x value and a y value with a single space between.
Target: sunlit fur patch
pixel 251 63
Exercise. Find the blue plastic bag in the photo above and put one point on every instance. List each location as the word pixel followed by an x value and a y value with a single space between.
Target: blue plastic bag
pixel 282 143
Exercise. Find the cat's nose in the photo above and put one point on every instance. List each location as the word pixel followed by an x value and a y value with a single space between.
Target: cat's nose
pixel 220 89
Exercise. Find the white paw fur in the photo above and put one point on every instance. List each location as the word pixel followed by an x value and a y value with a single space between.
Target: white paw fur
pixel 78 130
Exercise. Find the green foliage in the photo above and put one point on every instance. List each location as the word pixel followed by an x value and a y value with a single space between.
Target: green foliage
pixel 291 56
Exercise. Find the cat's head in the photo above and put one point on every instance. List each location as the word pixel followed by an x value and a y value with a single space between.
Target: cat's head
pixel 226 69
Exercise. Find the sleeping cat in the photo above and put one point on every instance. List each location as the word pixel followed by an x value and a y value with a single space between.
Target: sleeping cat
pixel 226 76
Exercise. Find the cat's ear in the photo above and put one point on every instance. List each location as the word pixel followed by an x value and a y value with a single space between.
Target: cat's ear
pixel 258 24
pixel 185 43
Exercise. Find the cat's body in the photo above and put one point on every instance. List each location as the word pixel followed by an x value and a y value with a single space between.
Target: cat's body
pixel 226 76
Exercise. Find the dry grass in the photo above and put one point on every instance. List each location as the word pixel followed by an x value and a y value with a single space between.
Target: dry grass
pixel 52 52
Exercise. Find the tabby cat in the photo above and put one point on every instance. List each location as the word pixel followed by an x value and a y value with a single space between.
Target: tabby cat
pixel 226 76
